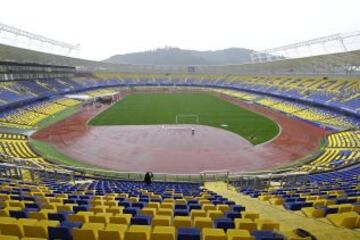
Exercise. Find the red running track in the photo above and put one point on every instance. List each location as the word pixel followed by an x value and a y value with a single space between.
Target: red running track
pixel 173 149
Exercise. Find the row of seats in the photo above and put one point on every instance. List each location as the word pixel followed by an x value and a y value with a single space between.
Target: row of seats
pixel 334 196
pixel 30 116
pixel 16 146
pixel 125 210
pixel 306 112
pixel 324 117
pixel 342 149
pixel 69 102
pixel 238 94
pixel 317 115
pixel 100 92
pixel 348 139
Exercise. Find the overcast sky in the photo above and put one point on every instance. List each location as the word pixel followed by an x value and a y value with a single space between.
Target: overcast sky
pixel 108 27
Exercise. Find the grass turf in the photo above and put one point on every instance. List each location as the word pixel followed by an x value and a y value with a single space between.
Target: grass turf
pixel 162 108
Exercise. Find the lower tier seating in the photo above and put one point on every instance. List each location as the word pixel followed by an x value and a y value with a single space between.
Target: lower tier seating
pixel 15 147
pixel 101 210
pixel 334 196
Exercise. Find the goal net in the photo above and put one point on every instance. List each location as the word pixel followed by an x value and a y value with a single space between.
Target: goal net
pixel 187 119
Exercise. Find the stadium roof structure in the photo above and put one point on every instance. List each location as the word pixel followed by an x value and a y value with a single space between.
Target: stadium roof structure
pixel 344 63
pixel 20 38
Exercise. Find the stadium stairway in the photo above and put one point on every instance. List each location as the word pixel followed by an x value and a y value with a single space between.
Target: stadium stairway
pixel 321 229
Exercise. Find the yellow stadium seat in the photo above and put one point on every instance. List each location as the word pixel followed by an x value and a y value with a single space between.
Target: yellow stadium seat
pixel 81 234
pixel 319 203
pixel 264 224
pixel 113 232
pixel 26 221
pixel 276 201
pixel 55 200
pixel 31 238
pixel 214 214
pixel 37 215
pixel 208 206
pixel 148 211
pixel 49 206
pixel 78 218
pixel 167 205
pixel 6 237
pixel 98 219
pixel 111 203
pixel 203 222
pixel 205 202
pixel 245 224
pixel 213 234
pixel 16 203
pixel 97 210
pixel 5 212
pixel 251 215
pixel 223 207
pixel 239 234
pixel 313 212
pixel 13 229
pixel 39 229
pixel 197 213
pixel 159 220
pixel 165 212
pixel 7 220
pixel 133 199
pixel 347 220
pixel 94 226
pixel 181 201
pixel 182 221
pixel 169 200
pixel 35 231
pixel 163 233
pixel 121 219
pixel 153 205
pixel 68 208
pixel 138 232
pixel 264 198
pixel 114 210
pixel 347 207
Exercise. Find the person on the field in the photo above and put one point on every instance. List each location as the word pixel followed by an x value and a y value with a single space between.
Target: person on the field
pixel 148 178
pixel 192 131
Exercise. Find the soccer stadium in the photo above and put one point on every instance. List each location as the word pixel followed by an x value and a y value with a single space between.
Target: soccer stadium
pixel 267 149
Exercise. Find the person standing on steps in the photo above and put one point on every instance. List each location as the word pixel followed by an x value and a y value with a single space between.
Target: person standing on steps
pixel 148 178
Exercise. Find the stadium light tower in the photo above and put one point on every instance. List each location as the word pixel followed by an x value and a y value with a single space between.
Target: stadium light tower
pixel 20 38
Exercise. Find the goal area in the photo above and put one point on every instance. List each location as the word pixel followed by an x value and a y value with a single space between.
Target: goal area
pixel 187 119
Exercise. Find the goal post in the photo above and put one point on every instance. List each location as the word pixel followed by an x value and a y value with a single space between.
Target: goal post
pixel 187 119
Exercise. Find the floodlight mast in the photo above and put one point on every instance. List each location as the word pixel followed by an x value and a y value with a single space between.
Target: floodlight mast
pixel 31 38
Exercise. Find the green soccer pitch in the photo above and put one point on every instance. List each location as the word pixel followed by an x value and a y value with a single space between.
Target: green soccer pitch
pixel 191 108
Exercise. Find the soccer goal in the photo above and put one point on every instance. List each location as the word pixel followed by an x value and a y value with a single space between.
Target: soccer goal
pixel 187 119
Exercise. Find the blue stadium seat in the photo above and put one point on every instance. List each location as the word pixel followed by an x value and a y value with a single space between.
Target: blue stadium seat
pixel 141 220
pixel 188 234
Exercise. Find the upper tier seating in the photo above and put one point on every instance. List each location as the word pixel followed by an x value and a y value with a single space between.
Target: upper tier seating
pixel 318 115
pixel 341 94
